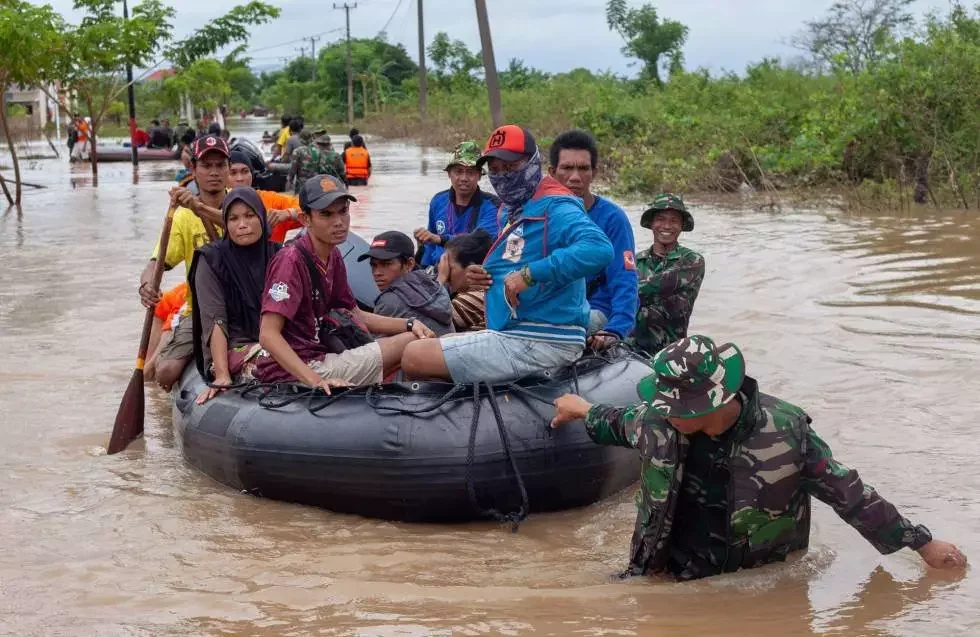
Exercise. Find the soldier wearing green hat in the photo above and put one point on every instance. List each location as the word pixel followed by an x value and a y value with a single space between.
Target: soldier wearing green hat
pixel 669 275
pixel 462 208
pixel 727 471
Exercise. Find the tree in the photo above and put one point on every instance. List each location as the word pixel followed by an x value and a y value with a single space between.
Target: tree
pixel 100 47
pixel 519 76
pixel 655 42
pixel 853 33
pixel 205 82
pixel 32 42
pixel 453 62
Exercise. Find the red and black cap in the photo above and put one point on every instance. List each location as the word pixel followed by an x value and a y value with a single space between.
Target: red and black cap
pixel 390 245
pixel 509 143
pixel 209 143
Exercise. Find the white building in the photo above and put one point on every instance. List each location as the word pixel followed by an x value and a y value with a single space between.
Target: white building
pixel 40 108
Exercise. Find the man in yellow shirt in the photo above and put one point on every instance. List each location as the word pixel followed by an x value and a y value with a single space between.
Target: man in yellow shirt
pixel 283 136
pixel 189 231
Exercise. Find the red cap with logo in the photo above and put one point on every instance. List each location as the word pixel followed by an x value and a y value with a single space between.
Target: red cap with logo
pixel 509 143
pixel 210 143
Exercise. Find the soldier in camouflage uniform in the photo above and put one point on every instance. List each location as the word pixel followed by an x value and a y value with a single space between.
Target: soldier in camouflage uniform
pixel 727 471
pixel 316 157
pixel 669 274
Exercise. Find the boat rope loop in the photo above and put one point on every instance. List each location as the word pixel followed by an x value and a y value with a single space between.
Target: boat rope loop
pixel 514 518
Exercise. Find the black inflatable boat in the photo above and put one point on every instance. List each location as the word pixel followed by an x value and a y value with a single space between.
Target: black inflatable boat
pixel 432 452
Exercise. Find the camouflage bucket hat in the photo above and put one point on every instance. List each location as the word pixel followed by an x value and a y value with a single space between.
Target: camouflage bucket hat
pixel 693 377
pixel 465 154
pixel 306 136
pixel 668 201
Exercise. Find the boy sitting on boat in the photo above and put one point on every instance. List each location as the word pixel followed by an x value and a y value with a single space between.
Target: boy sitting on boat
pixel 311 328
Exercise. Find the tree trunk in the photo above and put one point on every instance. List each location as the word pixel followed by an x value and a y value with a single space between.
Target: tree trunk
pixel 3 186
pixel 13 152
pixel 921 192
pixel 364 98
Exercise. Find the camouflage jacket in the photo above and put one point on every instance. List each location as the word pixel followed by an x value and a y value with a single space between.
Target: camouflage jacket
pixel 308 161
pixel 775 462
pixel 668 287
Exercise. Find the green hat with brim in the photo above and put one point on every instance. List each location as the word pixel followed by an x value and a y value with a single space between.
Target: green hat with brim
pixel 668 201
pixel 693 377
pixel 465 154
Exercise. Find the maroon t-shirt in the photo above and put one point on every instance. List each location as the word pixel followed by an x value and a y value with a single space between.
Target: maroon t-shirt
pixel 289 292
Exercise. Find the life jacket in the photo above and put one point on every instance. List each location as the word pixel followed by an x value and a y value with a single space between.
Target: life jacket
pixel 356 160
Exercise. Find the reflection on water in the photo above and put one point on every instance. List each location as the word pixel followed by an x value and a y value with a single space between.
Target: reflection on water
pixel 869 322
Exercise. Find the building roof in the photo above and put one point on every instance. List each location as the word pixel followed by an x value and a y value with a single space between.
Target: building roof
pixel 160 75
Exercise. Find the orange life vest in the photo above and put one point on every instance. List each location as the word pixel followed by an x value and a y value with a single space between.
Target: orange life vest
pixel 356 160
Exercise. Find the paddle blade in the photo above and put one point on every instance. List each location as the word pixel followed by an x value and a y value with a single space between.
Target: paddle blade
pixel 129 418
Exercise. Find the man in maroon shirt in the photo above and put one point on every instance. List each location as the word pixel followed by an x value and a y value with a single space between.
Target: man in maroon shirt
pixel 291 316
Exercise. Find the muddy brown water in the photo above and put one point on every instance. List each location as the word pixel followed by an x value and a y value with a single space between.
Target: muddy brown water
pixel 869 321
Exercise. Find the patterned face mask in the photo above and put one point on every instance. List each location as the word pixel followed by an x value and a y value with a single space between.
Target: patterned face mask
pixel 516 188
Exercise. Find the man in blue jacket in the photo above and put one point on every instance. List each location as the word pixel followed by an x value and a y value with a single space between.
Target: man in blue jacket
pixel 534 275
pixel 462 208
pixel 613 293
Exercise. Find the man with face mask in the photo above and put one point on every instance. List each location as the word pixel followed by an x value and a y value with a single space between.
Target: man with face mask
pixel 534 276
pixel 462 208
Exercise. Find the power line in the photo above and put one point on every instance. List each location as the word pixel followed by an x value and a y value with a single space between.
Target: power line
pixel 304 38
pixel 388 23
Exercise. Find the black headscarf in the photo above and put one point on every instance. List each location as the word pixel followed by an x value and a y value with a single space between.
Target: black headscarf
pixel 241 271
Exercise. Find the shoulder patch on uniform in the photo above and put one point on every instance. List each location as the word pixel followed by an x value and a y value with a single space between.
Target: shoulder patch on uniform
pixel 629 260
pixel 279 292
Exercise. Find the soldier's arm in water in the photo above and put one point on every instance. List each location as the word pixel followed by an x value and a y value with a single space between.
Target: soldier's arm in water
pixel 864 509
pixel 616 426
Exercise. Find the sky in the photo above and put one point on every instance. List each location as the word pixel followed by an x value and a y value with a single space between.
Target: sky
pixel 552 35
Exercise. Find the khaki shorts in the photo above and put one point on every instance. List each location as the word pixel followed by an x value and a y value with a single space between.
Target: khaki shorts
pixel 181 345
pixel 360 366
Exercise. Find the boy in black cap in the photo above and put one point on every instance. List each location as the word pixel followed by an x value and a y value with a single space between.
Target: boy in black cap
pixel 307 294
pixel 405 291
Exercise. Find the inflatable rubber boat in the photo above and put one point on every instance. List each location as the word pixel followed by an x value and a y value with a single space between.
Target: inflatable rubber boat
pixel 413 451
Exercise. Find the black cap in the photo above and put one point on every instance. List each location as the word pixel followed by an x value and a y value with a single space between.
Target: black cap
pixel 320 191
pixel 390 245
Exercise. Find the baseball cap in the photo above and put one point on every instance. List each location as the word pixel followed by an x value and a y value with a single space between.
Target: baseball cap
pixel 320 191
pixel 321 137
pixel 210 143
pixel 509 143
pixel 390 245
pixel 693 377
pixel 668 201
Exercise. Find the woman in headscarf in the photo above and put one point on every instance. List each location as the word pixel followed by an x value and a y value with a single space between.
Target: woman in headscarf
pixel 226 279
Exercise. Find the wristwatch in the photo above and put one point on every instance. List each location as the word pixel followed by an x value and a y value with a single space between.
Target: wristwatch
pixel 410 325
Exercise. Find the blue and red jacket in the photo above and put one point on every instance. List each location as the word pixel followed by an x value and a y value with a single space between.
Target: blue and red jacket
pixel 447 220
pixel 562 247
pixel 614 291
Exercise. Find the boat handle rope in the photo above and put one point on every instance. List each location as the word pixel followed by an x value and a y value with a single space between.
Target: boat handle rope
pixel 514 518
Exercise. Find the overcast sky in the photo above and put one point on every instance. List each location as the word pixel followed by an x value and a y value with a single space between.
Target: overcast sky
pixel 553 35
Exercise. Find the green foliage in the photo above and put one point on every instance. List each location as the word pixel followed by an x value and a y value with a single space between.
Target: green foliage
pixel 648 38
pixel 453 63
pixel 205 82
pixel 854 33
pixel 30 43
pixel 220 32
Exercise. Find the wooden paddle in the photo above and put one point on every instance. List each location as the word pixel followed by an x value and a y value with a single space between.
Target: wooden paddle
pixel 129 419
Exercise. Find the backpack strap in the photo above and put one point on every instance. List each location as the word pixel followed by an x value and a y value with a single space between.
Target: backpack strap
pixel 315 278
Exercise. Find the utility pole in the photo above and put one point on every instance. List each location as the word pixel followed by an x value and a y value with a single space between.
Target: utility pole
pixel 350 66
pixel 489 64
pixel 423 90
pixel 313 41
pixel 132 99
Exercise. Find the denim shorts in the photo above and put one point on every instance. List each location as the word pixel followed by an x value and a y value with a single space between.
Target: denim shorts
pixel 495 357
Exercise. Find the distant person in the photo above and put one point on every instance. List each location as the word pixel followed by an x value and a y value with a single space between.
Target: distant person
pixel 226 279
pixel 612 295
pixel 406 292
pixel 670 276
pixel 351 135
pixel 214 128
pixel 159 138
pixel 307 294
pixel 72 136
pixel 81 149
pixel 357 162
pixel 295 139
pixel 139 138
pixel 462 208
pixel 169 133
pixel 185 176
pixel 727 471
pixel 469 304
pixel 283 137
pixel 315 158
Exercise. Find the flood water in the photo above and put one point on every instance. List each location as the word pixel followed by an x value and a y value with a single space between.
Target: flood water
pixel 870 321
